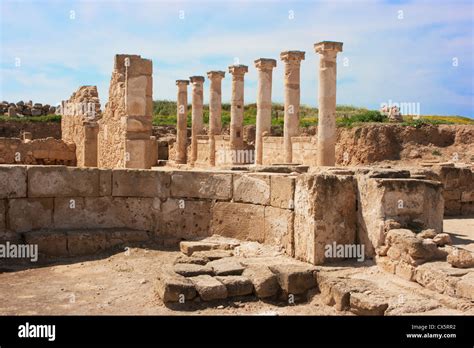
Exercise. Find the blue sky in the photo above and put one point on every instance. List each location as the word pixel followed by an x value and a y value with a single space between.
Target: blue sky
pixel 403 51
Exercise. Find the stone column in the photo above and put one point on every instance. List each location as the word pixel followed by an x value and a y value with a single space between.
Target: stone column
pixel 197 115
pixel 237 107
pixel 181 129
pixel 264 103
pixel 215 111
pixel 327 102
pixel 292 61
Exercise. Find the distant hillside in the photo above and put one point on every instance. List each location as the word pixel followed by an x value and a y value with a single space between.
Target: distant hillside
pixel 347 115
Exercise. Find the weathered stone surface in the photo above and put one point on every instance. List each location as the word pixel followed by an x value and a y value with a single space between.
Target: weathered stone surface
pixel 334 292
pixel 368 304
pixel 86 242
pixel 125 236
pixel 226 266
pixel 213 254
pixel 2 215
pixel 201 185
pixel 50 243
pixel 429 233
pixel 279 228
pixel 282 191
pixel 189 247
pixel 461 258
pixel 105 182
pixel 325 212
pixel 236 285
pixel 252 188
pixel 171 286
pixel 192 270
pixel 12 181
pixel 238 220
pixel 438 276
pixel 191 260
pixel 465 287
pixel 442 239
pixel 140 183
pixel 26 214
pixel 264 281
pixel 59 181
pixel 209 288
pixel 186 219
pixel 294 279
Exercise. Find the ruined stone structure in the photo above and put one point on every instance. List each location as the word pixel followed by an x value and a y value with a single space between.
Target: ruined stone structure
pixel 237 106
pixel 79 124
pixel 264 104
pixel 215 111
pixel 181 129
pixel 327 101
pixel 292 60
pixel 125 139
pixel 197 113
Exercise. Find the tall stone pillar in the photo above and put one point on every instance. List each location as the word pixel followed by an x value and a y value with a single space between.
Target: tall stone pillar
pixel 237 107
pixel 327 102
pixel 264 103
pixel 181 129
pixel 197 113
pixel 292 61
pixel 215 111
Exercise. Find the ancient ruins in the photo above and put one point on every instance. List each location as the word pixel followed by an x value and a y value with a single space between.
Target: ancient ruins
pixel 283 218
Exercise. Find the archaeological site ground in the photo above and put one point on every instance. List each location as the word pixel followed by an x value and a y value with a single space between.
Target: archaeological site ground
pixel 195 187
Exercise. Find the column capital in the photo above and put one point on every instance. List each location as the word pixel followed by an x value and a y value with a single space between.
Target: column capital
pixel 265 63
pixel 238 69
pixel 292 56
pixel 327 46
pixel 197 79
pixel 182 82
pixel 215 74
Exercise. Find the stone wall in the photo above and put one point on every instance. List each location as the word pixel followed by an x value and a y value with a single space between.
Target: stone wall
pixel 125 130
pixel 304 150
pixel 38 130
pixel 79 124
pixel 47 151
pixel 298 213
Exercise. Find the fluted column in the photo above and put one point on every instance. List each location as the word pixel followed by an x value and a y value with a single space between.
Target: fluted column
pixel 264 103
pixel 326 144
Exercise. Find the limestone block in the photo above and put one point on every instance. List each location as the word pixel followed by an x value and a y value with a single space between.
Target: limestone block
pixel 264 281
pixel 213 254
pixel 60 181
pixel 467 196
pixel 192 270
pixel 140 153
pixel 294 279
pixel 209 288
pixel 2 215
pixel 171 286
pixel 82 242
pixel 226 266
pixel 252 188
pixel 189 247
pixel 106 212
pixel 368 304
pixel 461 258
pixel 279 228
pixel 50 243
pixel 325 212
pixel 136 96
pixel 236 285
pixel 186 219
pixel 201 185
pixel 238 220
pixel 465 287
pixel 27 214
pixel 105 182
pixel 12 181
pixel 282 191
pixel 140 183
pixel 120 237
pixel 138 124
pixel 191 260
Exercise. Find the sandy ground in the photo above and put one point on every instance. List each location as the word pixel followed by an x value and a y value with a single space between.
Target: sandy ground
pixel 123 283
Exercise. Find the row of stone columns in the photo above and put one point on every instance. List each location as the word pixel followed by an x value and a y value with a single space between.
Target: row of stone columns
pixel 292 59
